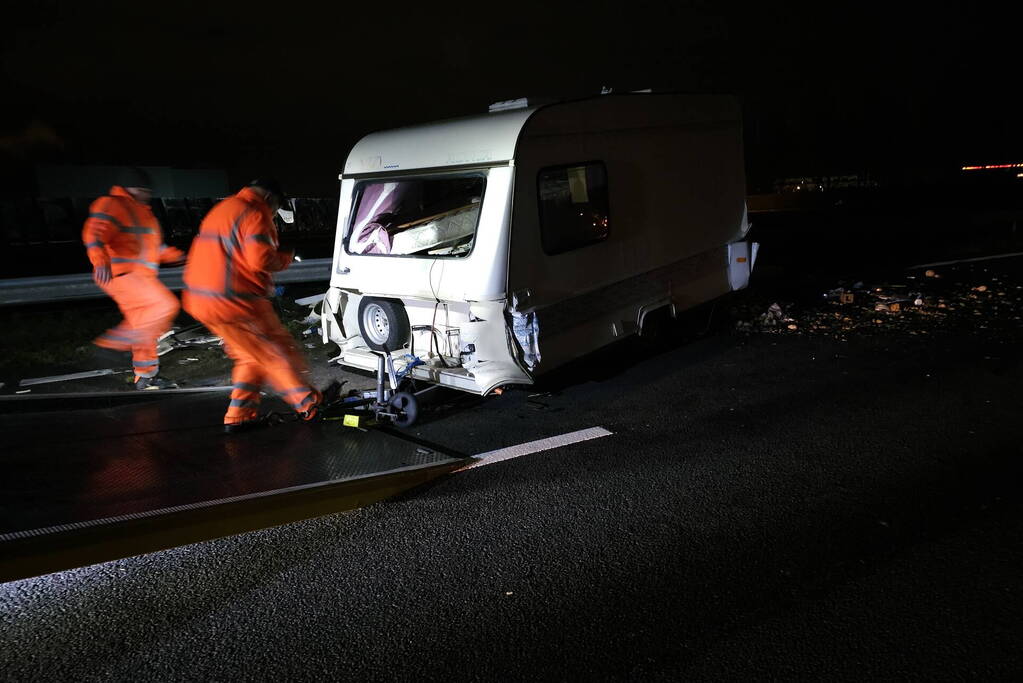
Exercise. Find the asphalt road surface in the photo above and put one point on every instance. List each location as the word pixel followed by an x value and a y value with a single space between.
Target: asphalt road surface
pixel 768 506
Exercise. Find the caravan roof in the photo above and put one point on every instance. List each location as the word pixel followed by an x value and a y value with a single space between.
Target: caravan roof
pixel 485 139
pixel 490 139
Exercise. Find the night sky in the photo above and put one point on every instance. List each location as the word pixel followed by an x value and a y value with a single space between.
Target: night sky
pixel 288 89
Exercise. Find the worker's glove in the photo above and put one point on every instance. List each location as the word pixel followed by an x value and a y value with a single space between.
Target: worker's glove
pixel 101 274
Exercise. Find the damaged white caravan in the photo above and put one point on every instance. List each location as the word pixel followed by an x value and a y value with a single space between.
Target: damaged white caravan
pixel 482 251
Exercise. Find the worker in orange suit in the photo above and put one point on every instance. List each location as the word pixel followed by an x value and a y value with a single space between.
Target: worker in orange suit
pixel 125 245
pixel 227 287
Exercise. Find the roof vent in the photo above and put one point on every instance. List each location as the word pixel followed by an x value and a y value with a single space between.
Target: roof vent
pixel 520 103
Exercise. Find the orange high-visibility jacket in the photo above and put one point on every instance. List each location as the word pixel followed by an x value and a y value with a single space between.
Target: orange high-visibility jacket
pixel 125 235
pixel 235 251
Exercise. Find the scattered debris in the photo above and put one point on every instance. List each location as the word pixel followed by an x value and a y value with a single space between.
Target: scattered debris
pixel 203 340
pixel 23 391
pixel 955 304
pixel 773 316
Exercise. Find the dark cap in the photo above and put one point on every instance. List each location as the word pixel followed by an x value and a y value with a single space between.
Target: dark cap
pixel 133 176
pixel 271 185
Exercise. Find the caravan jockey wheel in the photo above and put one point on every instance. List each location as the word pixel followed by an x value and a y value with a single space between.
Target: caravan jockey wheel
pixel 406 409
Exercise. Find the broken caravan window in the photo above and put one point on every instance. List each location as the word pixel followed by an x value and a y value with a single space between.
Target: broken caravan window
pixel 573 206
pixel 428 216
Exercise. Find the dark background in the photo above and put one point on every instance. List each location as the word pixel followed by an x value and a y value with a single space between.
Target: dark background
pixel 903 94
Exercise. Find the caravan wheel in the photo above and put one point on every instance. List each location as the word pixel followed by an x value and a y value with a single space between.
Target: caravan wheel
pixel 384 324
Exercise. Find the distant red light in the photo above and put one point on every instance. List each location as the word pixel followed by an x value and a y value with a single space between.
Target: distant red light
pixel 989 167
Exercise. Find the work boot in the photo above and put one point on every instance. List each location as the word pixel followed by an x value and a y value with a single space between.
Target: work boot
pixel 153 383
pixel 248 425
pixel 254 423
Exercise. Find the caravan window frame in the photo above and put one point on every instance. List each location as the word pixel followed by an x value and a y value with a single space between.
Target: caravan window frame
pixel 539 204
pixel 357 198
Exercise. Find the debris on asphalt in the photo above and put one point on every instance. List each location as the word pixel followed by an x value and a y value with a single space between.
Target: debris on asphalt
pixel 971 299
pixel 774 316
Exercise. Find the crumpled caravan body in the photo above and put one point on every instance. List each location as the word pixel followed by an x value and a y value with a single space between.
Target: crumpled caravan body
pixel 483 251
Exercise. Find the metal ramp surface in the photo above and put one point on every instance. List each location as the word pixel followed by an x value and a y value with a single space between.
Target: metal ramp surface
pixel 91 479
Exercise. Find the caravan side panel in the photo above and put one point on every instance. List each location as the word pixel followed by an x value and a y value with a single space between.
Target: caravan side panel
pixel 676 198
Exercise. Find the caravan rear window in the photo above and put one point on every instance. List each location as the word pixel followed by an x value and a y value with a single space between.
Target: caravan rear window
pixel 432 216
pixel 573 206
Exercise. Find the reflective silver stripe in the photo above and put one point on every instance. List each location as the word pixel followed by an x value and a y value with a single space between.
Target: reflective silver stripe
pixel 105 217
pixel 260 238
pixel 225 242
pixel 230 247
pixel 243 403
pixel 116 338
pixel 137 229
pixel 97 243
pixel 148 264
pixel 308 399
pixel 245 386
pixel 138 232
pixel 145 363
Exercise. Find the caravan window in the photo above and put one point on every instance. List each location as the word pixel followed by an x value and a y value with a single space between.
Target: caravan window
pixel 573 206
pixel 432 216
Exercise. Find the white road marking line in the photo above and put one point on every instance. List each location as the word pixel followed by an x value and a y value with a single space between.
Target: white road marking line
pixel 530 447
pixel 966 260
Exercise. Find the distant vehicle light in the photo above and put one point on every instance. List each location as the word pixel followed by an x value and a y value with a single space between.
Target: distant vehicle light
pixel 990 167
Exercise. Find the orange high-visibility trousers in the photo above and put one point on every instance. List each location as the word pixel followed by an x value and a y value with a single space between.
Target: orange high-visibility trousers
pixel 263 353
pixel 149 309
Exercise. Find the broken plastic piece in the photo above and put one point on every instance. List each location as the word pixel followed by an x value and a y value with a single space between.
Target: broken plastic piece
pixel 310 300
pixel 526 327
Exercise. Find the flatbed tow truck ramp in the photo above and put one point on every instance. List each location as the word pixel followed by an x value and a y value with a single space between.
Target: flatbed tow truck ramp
pixel 93 478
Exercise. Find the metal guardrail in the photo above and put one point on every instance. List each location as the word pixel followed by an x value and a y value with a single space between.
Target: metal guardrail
pixel 37 290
